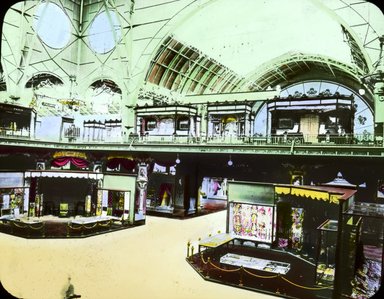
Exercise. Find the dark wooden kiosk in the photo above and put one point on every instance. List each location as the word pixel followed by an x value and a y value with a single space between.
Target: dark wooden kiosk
pixel 290 240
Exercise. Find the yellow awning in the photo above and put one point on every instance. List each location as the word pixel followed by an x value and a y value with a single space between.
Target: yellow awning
pixel 308 193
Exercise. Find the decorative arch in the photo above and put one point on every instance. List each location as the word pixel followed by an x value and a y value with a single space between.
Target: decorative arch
pixel 42 79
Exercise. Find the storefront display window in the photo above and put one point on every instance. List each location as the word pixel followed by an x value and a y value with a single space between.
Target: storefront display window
pixel 214 187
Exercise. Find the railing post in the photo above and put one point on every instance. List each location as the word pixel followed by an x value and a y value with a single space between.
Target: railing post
pixel 241 276
pixel 207 267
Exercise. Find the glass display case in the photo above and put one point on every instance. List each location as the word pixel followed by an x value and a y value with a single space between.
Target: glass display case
pixel 326 252
pixel 352 251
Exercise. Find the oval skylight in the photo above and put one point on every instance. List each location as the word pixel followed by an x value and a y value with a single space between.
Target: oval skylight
pixel 52 25
pixel 105 32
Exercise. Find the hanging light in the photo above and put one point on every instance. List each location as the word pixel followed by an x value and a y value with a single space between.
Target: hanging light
pixel 361 91
pixel 177 159
pixel 230 162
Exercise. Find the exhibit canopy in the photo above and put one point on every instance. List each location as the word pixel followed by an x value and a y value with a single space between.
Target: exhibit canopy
pixel 330 194
pixel 64 174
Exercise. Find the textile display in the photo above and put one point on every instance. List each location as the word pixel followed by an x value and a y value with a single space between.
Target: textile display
pixel 62 161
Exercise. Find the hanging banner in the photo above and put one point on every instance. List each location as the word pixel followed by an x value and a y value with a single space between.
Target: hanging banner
pixel 72 154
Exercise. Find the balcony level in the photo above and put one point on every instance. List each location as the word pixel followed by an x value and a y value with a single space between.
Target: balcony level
pixel 336 146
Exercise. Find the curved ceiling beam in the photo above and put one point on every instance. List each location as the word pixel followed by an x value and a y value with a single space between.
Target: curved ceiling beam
pixel 292 63
pixel 350 30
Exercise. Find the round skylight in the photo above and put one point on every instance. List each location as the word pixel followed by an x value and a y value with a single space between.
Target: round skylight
pixel 52 25
pixel 105 32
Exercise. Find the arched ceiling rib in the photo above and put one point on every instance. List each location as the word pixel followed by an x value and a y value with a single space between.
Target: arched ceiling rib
pixel 324 47
pixel 366 21
pixel 197 69
pixel 185 69
pixel 298 66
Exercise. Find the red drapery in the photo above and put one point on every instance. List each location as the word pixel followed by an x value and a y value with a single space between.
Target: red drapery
pixel 78 162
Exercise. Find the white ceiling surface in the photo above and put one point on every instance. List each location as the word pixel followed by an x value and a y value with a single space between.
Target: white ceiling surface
pixel 259 31
pixel 245 34
pixel 366 20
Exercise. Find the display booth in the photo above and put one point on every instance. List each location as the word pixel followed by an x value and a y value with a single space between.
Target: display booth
pixel 285 229
pixel 14 194
pixel 93 130
pixel 161 193
pixel 323 118
pixel 365 226
pixel 168 193
pixel 164 123
pixel 251 212
pixel 68 130
pixel 69 202
pixel 17 121
pixel 230 120
pixel 116 197
pixel 113 130
pixel 212 194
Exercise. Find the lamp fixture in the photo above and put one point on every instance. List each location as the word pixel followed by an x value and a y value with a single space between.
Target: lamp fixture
pixel 177 159
pixel 230 162
pixel 361 91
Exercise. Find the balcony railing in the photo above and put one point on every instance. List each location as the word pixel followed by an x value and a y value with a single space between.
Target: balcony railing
pixel 298 139
pixel 12 133
pixel 269 140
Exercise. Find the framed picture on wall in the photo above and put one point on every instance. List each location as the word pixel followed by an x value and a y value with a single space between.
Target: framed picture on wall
pixel 143 173
pixel 297 179
pixel 40 166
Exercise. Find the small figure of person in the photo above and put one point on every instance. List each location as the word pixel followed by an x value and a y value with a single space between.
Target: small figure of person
pixel 70 292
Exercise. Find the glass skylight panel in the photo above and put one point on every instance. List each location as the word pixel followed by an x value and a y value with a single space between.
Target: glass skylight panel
pixel 52 25
pixel 105 32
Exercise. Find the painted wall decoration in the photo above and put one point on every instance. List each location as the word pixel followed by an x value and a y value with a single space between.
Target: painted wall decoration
pixel 296 233
pixel 252 222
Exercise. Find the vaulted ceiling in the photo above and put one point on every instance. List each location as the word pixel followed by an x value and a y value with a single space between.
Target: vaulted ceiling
pixel 198 47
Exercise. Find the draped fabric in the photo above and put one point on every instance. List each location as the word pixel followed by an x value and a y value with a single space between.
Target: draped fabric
pixel 127 164
pixel 78 162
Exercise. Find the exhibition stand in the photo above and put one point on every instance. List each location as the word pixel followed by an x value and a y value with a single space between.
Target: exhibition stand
pixel 303 235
